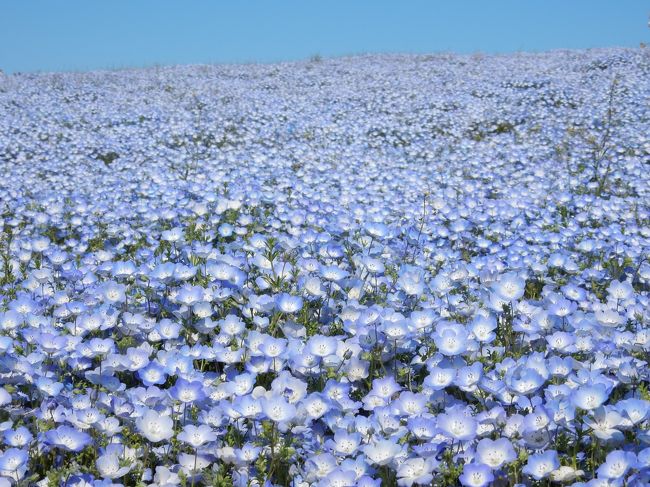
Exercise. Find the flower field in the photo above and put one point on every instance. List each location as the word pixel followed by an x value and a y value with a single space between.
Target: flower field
pixel 377 270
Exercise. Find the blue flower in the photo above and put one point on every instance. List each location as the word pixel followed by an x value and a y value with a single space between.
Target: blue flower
pixel 277 409
pixel 451 338
pixel 617 464
pixel 154 426
pixel 152 374
pixel 458 425
pixel 196 436
pixel 540 465
pixel 495 453
pixel 67 438
pixel 187 391
pixel 476 475
pixel 590 397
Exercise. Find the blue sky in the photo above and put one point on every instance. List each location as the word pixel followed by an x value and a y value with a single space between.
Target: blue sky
pixel 49 35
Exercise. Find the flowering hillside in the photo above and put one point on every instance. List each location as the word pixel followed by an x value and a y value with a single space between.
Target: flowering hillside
pixel 379 270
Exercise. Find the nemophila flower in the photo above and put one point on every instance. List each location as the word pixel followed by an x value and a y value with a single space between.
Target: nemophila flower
pixel 67 438
pixel 467 378
pixel 292 388
pixel 562 308
pixel 373 266
pixel 451 338
pixel 540 465
pixel 242 384
pixel 232 325
pixel 482 327
pixel 18 437
pixel 190 295
pixel 321 346
pixel 561 342
pixel 136 358
pixel 183 272
pixel 247 454
pixel 167 330
pixel 367 481
pixel 109 426
pixel 277 409
pixel 340 478
pixel 606 424
pixel 382 452
pixel 315 405
pixel 537 420
pixel 620 291
pixel 566 474
pixel 359 466
pixel 48 386
pixel 416 471
pixel 313 287
pixel 457 425
pixel 51 343
pixel 196 436
pixel 333 273
pixel 357 369
pixel 174 235
pixel 409 403
pixel 258 365
pixel 643 458
pixel 423 428
pixel 13 463
pixel 114 293
pixel 396 331
pixel 476 475
pixel 155 427
pixel 423 319
pixel 574 292
pixel 442 284
pixel 590 397
pixel 345 443
pixel 617 464
pixel 108 466
pixel 10 320
pixel 176 363
pixel 386 418
pixel 192 465
pixel 320 466
pixel 609 317
pixel 439 378
pixel 560 366
pixel 246 407
pixel 165 477
pixel 633 410
pixel 411 281
pixel 495 453
pixel 101 347
pixel 523 380
pixel 187 391
pixel 272 347
pixel 509 287
pixel 377 230
pixel 152 374
pixel 385 387
pixel 288 303
pixel 86 418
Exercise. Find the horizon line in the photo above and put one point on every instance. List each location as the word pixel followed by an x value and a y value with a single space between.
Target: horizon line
pixel 317 57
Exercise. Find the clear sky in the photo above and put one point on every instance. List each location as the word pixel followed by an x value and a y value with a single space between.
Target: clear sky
pixel 51 35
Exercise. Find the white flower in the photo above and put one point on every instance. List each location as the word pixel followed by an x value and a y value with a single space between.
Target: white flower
pixel 108 467
pixel 155 427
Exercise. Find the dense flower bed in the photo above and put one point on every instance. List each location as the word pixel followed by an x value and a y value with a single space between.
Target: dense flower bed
pixel 411 270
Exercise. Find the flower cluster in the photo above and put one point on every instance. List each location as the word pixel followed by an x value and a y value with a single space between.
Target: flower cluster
pixel 383 270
